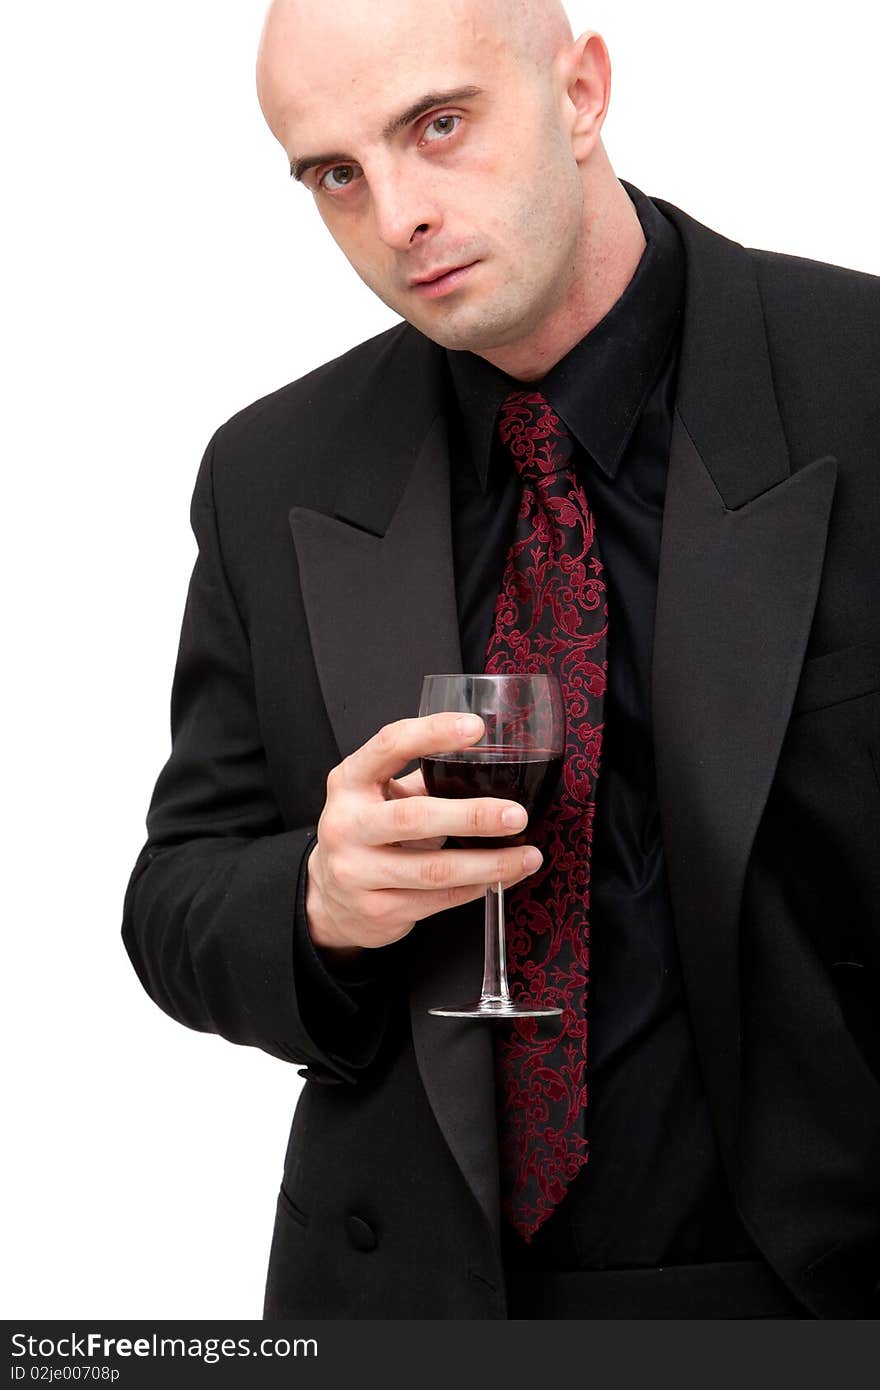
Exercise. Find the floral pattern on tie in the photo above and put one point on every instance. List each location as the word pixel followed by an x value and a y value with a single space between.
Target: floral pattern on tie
pixel 551 616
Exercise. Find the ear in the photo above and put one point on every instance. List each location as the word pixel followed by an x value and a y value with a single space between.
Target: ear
pixel 587 78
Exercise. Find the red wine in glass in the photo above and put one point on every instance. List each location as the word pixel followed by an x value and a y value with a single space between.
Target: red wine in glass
pixel 526 776
pixel 518 759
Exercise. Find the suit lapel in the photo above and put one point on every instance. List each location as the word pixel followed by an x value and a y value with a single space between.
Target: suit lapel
pixel 381 608
pixel 381 612
pixel 741 559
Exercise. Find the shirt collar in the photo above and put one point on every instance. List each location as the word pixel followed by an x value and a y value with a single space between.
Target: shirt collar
pixel 601 385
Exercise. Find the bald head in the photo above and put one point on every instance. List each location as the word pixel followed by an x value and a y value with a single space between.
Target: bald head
pixel 295 31
pixel 454 153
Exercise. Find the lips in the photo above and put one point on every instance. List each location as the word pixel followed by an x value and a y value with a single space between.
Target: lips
pixel 442 280
pixel 436 274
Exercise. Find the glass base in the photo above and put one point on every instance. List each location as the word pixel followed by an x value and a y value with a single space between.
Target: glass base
pixel 496 1008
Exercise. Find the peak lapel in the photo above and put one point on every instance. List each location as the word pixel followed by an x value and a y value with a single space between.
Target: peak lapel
pixel 381 609
pixel 741 559
pixel 379 593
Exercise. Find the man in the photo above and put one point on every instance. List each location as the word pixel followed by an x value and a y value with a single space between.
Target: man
pixel 296 892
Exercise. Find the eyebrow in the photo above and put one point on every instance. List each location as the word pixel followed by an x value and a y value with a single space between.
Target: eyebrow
pixel 301 165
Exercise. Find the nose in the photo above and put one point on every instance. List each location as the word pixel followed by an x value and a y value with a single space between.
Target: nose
pixel 403 207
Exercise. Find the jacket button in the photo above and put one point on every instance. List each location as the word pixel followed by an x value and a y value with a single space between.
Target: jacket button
pixel 361 1233
pixel 324 1078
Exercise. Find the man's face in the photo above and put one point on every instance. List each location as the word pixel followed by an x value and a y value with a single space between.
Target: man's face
pixel 483 178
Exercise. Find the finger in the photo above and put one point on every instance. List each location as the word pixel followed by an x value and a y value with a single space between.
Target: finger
pixel 402 906
pixel 428 870
pixel 396 744
pixel 430 817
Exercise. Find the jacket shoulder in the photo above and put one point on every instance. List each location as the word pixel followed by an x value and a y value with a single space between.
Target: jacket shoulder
pixel 288 446
pixel 823 330
pixel 810 288
pixel 342 378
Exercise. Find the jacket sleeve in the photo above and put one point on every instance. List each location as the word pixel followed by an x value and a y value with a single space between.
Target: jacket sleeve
pixel 212 903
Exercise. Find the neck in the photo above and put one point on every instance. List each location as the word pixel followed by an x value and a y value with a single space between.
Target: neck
pixel 609 251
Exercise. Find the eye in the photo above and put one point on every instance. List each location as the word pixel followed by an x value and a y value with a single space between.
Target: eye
pixel 337 178
pixel 442 126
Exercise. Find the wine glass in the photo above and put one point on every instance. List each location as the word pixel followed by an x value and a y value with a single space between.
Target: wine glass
pixel 519 758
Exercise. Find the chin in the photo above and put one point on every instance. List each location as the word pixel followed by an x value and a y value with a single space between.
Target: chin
pixel 449 336
pixel 483 332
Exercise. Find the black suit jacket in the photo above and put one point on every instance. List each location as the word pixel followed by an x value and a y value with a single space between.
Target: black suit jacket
pixel 323 591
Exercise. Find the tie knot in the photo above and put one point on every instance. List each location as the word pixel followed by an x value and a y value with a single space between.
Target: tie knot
pixel 533 434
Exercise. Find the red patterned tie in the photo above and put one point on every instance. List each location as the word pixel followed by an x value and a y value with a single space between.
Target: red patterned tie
pixel 551 616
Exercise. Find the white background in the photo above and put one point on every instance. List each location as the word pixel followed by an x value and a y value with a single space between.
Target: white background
pixel 161 271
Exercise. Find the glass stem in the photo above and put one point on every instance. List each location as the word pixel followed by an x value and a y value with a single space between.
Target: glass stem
pixel 495 961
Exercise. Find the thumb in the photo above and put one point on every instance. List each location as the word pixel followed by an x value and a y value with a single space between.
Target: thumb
pixel 413 784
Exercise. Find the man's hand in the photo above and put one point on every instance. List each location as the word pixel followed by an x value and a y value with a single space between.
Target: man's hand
pixel 378 867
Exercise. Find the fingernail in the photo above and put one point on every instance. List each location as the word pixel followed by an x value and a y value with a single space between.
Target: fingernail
pixel 514 817
pixel 468 724
pixel 531 859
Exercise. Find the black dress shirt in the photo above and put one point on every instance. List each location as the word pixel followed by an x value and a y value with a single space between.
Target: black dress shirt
pixel 653 1191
